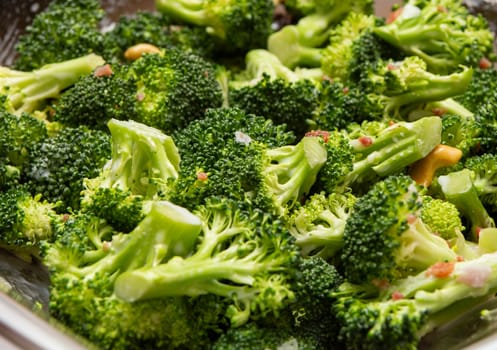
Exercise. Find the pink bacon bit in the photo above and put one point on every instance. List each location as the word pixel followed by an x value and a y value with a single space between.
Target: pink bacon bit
pixel 202 176
pixel 397 296
pixel 475 276
pixel 411 219
pixel 319 133
pixel 366 141
pixel 485 63
pixel 394 14
pixel 106 246
pixel 439 111
pixel 441 269
pixel 103 71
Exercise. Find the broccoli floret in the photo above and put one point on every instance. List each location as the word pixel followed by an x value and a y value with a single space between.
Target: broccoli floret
pixel 26 220
pixel 29 91
pixel 359 161
pixel 95 99
pixel 412 307
pixel 484 168
pixel 461 132
pixel 318 225
pixel 143 161
pixel 242 255
pixel 85 260
pixel 65 30
pixel 407 83
pixel 441 217
pixel 18 136
pixel 301 44
pixel 173 88
pixel 240 25
pixel 338 58
pixel 384 236
pixel 269 89
pixel 58 165
pixel 257 157
pixel 443 33
pixel 159 30
pixel 458 188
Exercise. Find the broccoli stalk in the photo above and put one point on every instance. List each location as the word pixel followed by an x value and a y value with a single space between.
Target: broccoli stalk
pixel 27 91
pixel 301 44
pixel 26 220
pixel 368 157
pixel 408 83
pixel 384 236
pixel 442 33
pixel 319 224
pixel 458 188
pixel 241 25
pixel 241 255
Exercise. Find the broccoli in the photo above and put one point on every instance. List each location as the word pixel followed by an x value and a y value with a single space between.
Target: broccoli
pixel 337 60
pixel 58 165
pixel 173 88
pixel 258 158
pixel 29 91
pixel 143 163
pixel 240 25
pixel 484 169
pixel 156 29
pixel 318 225
pixel 63 31
pixel 443 33
pixel 26 220
pixel 458 188
pixel 242 255
pixel 84 262
pixel 95 99
pixel 461 132
pixel 301 44
pixel 410 308
pixel 18 136
pixel 408 83
pixel 269 89
pixel 359 161
pixel 385 237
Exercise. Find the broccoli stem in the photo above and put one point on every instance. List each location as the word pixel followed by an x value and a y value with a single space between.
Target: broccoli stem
pixel 458 188
pixel 286 45
pixel 396 147
pixel 27 90
pixel 166 231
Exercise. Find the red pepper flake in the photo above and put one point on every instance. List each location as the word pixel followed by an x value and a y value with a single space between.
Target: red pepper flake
pixel 106 246
pixel 319 133
pixel 201 176
pixel 411 219
pixel 394 14
pixel 442 9
pixel 381 284
pixel 459 258
pixel 103 71
pixel 440 269
pixel 391 122
pixel 140 96
pixel 392 66
pixel 438 111
pixel 365 141
pixel 346 90
pixel 65 217
pixel 477 231
pixel 397 296
pixel 485 63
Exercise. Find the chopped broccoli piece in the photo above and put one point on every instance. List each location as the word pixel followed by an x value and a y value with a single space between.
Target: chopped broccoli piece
pixel 58 165
pixel 443 33
pixel 28 91
pixel 241 25
pixel 318 225
pixel 385 238
pixel 65 30
pixel 242 255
